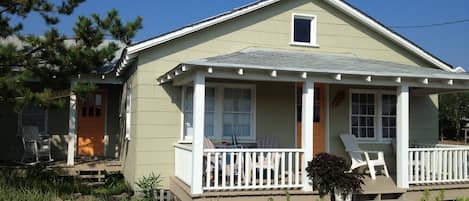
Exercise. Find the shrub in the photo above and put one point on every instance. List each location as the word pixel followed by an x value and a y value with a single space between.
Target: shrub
pixel 149 184
pixel 329 172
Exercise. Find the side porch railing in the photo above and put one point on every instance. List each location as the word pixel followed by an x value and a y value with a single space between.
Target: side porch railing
pixel 438 164
pixel 237 169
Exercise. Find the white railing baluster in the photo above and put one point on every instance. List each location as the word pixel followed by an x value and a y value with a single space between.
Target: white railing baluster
pixel 223 170
pixel 445 166
pixel 440 167
pixel 276 172
pixel 240 171
pixel 434 161
pixel 269 168
pixel 261 169
pixel 290 172
pixel 465 164
pixel 459 164
pixel 427 169
pixel 450 165
pixel 411 166
pixel 254 163
pixel 247 171
pixel 232 164
pixel 209 168
pixel 297 168
pixel 422 166
pixel 417 166
pixel 283 168
pixel 216 161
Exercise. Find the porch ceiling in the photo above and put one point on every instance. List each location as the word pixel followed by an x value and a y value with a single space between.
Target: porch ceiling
pixel 333 67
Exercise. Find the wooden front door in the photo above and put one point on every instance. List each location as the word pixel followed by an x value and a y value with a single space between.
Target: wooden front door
pixel 91 119
pixel 319 139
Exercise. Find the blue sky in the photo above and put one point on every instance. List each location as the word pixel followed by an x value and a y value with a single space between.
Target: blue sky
pixel 450 42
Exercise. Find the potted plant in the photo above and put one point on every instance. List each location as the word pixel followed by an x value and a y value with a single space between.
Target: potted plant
pixel 329 174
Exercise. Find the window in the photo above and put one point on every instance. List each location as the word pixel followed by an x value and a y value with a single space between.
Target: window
pixel 373 115
pixel 317 104
pixel 229 110
pixel 304 30
pixel 237 112
pixel 33 116
pixel 363 115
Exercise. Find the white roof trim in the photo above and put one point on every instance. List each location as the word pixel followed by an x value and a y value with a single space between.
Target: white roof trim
pixel 132 51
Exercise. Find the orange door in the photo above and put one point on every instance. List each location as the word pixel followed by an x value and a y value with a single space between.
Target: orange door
pixel 91 112
pixel 319 139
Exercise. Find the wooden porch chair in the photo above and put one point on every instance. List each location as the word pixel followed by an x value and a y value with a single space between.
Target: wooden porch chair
pixel 356 155
pixel 35 146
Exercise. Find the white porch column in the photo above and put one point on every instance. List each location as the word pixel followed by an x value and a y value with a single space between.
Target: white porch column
pixel 402 137
pixel 198 135
pixel 307 111
pixel 72 130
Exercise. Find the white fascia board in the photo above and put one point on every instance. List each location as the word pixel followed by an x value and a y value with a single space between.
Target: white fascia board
pixel 150 43
pixel 338 4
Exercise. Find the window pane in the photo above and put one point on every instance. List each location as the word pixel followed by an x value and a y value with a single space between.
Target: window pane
pixel 209 123
pixel 354 121
pixel 302 30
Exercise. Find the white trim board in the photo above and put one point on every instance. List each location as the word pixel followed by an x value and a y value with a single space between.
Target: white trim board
pixel 131 52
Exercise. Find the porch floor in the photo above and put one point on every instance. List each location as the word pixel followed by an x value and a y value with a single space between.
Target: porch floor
pixel 83 164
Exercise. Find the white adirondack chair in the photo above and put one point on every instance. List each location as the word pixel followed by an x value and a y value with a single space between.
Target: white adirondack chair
pixel 356 154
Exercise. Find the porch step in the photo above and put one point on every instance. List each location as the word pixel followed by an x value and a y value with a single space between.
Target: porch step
pixel 379 196
pixel 92 177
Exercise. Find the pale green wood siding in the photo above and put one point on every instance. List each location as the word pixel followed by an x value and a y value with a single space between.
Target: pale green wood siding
pixel 157 113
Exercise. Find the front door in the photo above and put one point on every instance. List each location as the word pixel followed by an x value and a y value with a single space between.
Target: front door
pixel 319 139
pixel 91 119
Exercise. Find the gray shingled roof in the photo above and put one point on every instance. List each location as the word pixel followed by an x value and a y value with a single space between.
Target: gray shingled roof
pixel 267 59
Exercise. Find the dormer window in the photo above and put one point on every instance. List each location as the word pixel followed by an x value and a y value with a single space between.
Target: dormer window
pixel 304 30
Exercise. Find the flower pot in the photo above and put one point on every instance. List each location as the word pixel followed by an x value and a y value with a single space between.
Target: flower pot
pixel 341 196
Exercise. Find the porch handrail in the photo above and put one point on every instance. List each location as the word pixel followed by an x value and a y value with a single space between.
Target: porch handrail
pixel 438 165
pixel 252 168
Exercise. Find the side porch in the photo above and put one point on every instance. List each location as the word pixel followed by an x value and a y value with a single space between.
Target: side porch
pixel 45 135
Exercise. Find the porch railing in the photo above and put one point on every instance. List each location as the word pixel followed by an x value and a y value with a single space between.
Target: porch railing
pixel 252 169
pixel 438 164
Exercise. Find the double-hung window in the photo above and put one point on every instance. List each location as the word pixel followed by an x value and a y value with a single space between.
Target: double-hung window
pixel 373 115
pixel 229 111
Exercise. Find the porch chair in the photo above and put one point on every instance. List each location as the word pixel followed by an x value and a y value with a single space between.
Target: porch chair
pixel 208 144
pixel 351 146
pixel 35 146
pixel 266 142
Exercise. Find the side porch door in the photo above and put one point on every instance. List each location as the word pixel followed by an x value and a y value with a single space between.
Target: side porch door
pixel 319 139
pixel 91 123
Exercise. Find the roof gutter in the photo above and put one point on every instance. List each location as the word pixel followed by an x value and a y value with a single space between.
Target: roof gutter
pixel 344 7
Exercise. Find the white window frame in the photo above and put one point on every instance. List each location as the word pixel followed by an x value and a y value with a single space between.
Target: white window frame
pixel 313 32
pixel 218 116
pixel 378 137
